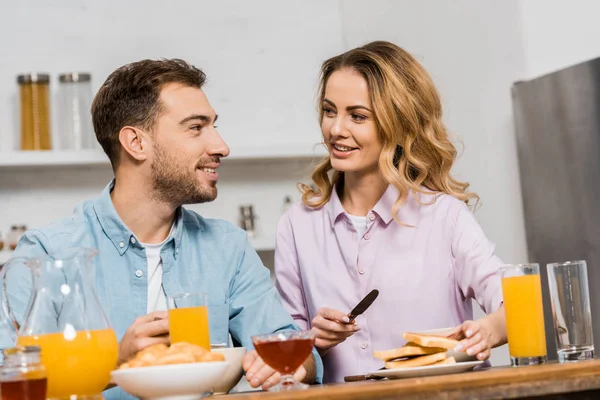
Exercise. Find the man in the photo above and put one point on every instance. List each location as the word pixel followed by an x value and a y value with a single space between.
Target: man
pixel 156 125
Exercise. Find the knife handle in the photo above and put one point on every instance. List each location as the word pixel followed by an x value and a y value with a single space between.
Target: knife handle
pixel 358 378
pixel 355 378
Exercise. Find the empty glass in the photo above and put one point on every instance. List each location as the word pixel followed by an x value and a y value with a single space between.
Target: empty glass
pixel 571 312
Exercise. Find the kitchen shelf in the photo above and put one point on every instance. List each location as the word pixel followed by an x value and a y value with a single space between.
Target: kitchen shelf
pixel 263 243
pixel 52 158
pixel 74 158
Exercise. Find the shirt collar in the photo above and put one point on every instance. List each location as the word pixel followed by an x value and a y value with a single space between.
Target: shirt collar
pixel 407 214
pixel 334 207
pixel 114 228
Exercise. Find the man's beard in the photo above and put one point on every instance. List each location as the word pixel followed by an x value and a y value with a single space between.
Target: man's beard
pixel 175 184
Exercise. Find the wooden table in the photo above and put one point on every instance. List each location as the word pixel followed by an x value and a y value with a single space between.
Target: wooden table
pixel 577 381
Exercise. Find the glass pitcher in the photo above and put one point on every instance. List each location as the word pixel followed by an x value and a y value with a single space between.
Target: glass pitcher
pixel 64 317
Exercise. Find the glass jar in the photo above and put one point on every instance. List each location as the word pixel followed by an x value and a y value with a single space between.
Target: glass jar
pixel 75 130
pixel 23 376
pixel 35 111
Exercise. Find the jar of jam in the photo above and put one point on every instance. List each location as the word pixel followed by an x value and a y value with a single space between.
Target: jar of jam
pixel 23 376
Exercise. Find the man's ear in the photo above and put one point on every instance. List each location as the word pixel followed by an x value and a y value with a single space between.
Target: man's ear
pixel 134 143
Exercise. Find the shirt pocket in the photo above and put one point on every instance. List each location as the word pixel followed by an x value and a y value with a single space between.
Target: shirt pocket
pixel 218 319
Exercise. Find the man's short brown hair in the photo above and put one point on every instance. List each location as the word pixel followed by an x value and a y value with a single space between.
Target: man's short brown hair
pixel 130 97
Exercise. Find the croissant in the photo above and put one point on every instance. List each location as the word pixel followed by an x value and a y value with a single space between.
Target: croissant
pixel 178 353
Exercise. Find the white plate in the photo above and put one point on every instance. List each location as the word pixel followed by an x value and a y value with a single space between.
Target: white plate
pixel 428 370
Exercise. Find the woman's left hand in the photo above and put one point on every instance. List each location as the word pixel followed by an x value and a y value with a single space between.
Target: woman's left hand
pixel 475 339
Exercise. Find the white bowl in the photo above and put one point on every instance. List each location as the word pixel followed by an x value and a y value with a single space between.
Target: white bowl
pixel 234 372
pixel 173 382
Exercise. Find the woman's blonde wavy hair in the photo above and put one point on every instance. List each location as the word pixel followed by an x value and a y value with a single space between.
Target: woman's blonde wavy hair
pixel 416 150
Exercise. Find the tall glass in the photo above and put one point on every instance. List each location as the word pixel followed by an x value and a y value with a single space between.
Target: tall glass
pixel 285 352
pixel 522 290
pixel 571 311
pixel 188 319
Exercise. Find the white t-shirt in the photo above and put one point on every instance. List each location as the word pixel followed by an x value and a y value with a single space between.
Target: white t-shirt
pixel 360 224
pixel 157 299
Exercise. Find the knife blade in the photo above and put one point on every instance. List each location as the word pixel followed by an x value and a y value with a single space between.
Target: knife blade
pixel 363 305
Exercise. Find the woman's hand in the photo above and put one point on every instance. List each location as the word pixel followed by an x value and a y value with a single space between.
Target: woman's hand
pixel 331 327
pixel 475 339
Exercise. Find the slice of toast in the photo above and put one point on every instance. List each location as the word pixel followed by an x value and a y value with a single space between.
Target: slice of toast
pixel 408 350
pixel 449 360
pixel 416 361
pixel 430 340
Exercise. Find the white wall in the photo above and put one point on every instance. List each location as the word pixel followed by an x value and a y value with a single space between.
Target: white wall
pixel 559 33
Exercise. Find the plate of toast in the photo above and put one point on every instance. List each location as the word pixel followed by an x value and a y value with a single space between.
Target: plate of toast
pixel 424 354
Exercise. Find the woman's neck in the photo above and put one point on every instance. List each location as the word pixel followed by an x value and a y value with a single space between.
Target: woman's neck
pixel 362 191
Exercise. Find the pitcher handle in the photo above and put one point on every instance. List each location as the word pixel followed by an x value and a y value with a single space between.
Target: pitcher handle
pixel 6 313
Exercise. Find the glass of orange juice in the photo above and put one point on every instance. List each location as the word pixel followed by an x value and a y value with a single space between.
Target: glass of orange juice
pixel 188 319
pixel 522 290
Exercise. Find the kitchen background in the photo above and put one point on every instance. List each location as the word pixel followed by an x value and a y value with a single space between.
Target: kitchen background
pixel 262 59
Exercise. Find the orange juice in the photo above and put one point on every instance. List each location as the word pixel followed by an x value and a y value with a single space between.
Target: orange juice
pixel 190 324
pixel 77 363
pixel 524 316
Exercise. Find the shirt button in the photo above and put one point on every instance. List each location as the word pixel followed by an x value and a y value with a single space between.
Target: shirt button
pixel 361 271
pixel 367 236
pixel 132 240
pixel 139 273
pixel 121 245
pixel 363 345
pixel 372 216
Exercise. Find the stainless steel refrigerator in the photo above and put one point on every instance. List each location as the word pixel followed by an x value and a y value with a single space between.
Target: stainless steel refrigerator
pixel 557 121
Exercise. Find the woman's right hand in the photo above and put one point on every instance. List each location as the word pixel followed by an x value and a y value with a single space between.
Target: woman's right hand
pixel 331 327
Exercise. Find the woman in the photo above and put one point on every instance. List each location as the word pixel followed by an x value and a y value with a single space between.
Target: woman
pixel 384 213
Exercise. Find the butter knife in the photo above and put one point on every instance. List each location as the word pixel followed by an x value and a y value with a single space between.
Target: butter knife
pixel 356 378
pixel 363 305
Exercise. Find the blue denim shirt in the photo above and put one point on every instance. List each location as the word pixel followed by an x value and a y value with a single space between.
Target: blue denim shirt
pixel 202 255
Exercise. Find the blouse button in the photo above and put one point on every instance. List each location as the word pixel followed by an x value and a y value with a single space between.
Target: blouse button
pixel 363 345
pixel 361 271
pixel 372 216
pixel 367 236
